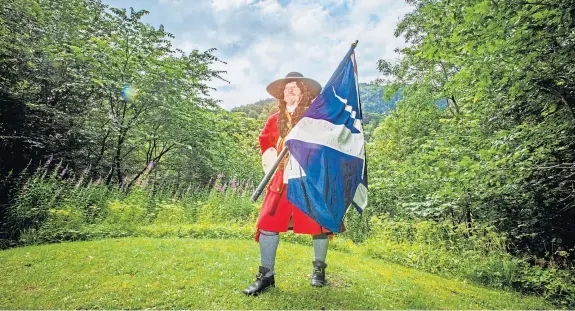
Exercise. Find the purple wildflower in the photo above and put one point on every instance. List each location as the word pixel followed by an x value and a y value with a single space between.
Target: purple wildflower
pixel 80 181
pixel 64 171
pixel 49 160
pixel 84 173
pixel 233 184
pixel 99 180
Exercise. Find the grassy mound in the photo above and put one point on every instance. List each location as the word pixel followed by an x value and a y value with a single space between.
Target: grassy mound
pixel 145 273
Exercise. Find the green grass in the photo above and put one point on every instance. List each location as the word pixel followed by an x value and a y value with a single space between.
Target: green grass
pixel 172 273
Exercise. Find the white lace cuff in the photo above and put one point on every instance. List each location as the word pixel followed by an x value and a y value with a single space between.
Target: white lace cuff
pixel 269 157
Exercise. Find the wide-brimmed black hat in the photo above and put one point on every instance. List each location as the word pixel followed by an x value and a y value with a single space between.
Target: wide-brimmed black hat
pixel 276 88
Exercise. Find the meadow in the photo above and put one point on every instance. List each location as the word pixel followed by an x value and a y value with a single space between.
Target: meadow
pixel 169 246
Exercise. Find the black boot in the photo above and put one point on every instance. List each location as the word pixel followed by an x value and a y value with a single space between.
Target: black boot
pixel 318 277
pixel 261 284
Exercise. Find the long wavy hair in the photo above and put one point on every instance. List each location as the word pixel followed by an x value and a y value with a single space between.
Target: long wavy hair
pixel 305 102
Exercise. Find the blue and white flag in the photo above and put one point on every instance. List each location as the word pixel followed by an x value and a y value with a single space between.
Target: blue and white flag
pixel 326 171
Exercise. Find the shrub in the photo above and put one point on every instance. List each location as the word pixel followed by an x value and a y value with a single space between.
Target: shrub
pixel 480 257
pixel 358 227
pixel 126 213
pixel 171 214
pixel 223 206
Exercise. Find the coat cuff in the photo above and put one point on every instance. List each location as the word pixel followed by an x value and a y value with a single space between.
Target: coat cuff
pixel 269 157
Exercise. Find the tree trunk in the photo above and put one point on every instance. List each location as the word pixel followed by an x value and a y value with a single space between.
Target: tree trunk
pixel 117 162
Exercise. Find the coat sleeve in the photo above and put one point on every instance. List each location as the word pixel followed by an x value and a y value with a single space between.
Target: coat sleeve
pixel 268 139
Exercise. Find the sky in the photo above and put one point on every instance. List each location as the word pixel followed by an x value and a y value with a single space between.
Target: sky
pixel 263 40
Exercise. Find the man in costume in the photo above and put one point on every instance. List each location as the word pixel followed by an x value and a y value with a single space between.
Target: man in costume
pixel 294 94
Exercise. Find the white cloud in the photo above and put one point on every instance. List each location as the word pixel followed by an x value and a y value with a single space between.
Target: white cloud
pixel 229 4
pixel 308 21
pixel 269 7
pixel 262 40
pixel 171 2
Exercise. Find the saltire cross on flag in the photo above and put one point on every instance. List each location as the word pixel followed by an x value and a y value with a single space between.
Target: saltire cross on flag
pixel 326 170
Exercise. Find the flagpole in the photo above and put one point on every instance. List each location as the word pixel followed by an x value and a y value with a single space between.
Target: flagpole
pixel 284 151
pixel 269 175
pixel 342 63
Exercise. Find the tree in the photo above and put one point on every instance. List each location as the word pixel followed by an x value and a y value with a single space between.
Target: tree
pixel 505 142
pixel 65 65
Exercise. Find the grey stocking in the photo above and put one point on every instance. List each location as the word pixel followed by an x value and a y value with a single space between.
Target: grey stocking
pixel 268 246
pixel 320 243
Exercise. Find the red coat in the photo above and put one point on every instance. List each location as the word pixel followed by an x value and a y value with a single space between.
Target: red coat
pixel 276 210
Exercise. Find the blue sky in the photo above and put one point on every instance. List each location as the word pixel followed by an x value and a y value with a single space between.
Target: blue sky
pixel 263 40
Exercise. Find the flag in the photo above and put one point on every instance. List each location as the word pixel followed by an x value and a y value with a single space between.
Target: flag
pixel 327 171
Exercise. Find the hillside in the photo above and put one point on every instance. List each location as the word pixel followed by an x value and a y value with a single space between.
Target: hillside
pixel 371 95
pixel 258 110
pixel 184 273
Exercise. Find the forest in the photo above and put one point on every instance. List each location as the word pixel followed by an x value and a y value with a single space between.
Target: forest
pixel 105 128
